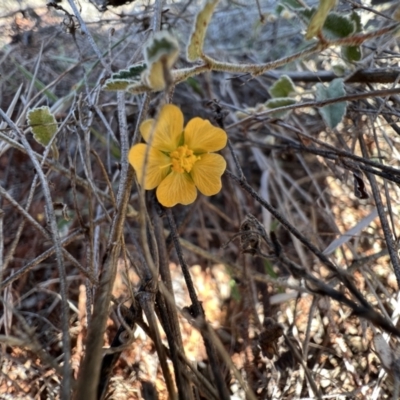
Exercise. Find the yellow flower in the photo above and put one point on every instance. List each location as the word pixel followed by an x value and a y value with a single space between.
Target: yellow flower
pixel 179 160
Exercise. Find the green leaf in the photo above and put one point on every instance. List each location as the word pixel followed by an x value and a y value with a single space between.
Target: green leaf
pixel 318 19
pixel 160 52
pixel 280 102
pixel 351 53
pixel 339 69
pixel 336 26
pixel 203 18
pixel 355 17
pixel 305 14
pixel 279 9
pixel 154 77
pixel 132 73
pixel 332 114
pixel 120 84
pixel 43 124
pixel 161 46
pixel 123 78
pixel 283 87
pixel 136 88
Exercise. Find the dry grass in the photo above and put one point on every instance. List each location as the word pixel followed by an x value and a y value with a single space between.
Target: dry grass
pixel 294 297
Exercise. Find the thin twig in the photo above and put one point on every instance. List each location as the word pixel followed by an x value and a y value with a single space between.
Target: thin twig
pixel 197 310
pixel 45 234
pixel 90 39
pixel 2 268
pixel 168 314
pixel 52 164
pixel 91 364
pixel 17 237
pixel 156 25
pixel 318 104
pixel 66 385
pixel 147 305
pixel 373 75
pixel 130 318
pixel 394 258
pixel 75 236
pixel 300 360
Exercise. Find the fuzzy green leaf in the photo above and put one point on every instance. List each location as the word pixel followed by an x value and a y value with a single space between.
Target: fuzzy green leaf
pixel 305 14
pixel 203 18
pixel 355 17
pixel 123 78
pixel 339 69
pixel 279 9
pixel 137 87
pixel 160 52
pixel 351 53
pixel 318 19
pixel 118 84
pixel 336 26
pixel 283 87
pixel 332 114
pixel 279 102
pixel 43 124
pixel 132 73
pixel 154 76
pixel 161 46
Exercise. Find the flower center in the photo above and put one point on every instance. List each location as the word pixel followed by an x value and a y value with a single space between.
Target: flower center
pixel 183 159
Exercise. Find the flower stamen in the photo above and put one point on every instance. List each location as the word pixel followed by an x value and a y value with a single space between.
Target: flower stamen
pixel 183 159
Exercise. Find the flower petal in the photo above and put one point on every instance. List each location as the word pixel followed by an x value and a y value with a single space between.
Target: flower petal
pixel 157 168
pixel 176 188
pixel 167 130
pixel 202 137
pixel 146 127
pixel 206 173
